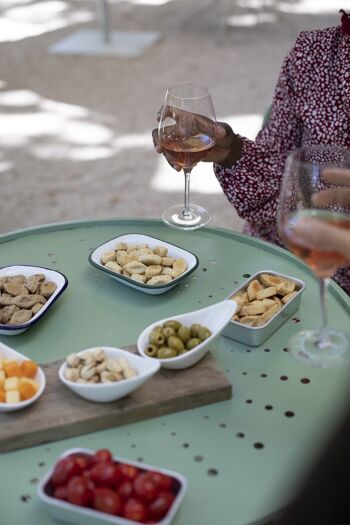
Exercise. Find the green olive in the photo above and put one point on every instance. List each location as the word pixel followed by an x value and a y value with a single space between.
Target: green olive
pixel 184 333
pixel 173 324
pixel 203 333
pixel 168 331
pixel 157 328
pixel 192 343
pixel 151 350
pixel 165 352
pixel 194 329
pixel 156 337
pixel 184 351
pixel 176 343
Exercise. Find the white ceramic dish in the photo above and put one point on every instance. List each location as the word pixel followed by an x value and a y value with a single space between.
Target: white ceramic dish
pixel 106 392
pixel 214 317
pixel 257 335
pixel 8 353
pixel 69 513
pixel 135 238
pixel 51 275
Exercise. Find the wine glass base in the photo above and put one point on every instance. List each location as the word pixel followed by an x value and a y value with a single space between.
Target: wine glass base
pixel 305 347
pixel 195 218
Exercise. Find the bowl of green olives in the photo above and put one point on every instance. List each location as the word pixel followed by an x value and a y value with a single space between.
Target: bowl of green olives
pixel 182 340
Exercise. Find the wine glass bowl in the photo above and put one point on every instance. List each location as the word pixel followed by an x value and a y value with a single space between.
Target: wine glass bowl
pixel 186 135
pixel 308 178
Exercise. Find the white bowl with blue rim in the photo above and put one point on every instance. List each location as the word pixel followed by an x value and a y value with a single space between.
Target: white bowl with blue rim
pixel 134 239
pixel 27 270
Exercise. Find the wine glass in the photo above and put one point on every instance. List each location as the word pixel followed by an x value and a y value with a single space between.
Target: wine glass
pixel 305 175
pixel 186 134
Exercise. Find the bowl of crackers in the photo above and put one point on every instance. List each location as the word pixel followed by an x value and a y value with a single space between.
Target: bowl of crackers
pixel 264 302
pixel 26 294
pixel 145 263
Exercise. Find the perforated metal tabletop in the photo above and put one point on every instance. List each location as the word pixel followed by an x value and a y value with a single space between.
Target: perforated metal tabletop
pixel 242 457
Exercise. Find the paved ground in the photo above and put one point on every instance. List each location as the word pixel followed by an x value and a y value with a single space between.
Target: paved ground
pixel 75 132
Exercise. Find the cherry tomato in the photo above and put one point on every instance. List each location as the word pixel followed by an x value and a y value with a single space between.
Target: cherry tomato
pixel 78 491
pixel 135 510
pixel 125 489
pixel 129 471
pixel 65 469
pixel 106 500
pixel 103 456
pixel 106 474
pixel 84 461
pixel 60 493
pixel 145 487
pixel 162 480
pixel 160 506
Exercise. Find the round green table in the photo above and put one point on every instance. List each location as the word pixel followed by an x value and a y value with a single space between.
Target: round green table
pixel 242 458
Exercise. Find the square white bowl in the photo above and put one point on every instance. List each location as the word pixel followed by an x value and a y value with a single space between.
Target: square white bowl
pixel 69 513
pixel 58 278
pixel 106 392
pixel 214 317
pixel 256 335
pixel 136 238
pixel 9 353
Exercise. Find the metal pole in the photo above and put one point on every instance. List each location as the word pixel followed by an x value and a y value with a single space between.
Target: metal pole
pixel 102 7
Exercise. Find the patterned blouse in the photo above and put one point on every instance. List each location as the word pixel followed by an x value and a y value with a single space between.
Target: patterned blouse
pixel 311 106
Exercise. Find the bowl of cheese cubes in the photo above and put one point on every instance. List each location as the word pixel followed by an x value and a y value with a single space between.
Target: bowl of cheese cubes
pixel 22 381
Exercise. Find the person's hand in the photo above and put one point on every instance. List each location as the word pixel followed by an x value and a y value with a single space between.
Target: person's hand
pixel 227 143
pixel 317 233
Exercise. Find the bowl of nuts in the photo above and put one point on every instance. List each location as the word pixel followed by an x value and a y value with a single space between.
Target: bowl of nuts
pixel 26 294
pixel 145 263
pixel 264 303
pixel 103 374
pixel 182 340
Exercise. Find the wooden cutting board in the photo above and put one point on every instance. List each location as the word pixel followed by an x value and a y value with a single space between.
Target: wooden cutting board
pixel 61 414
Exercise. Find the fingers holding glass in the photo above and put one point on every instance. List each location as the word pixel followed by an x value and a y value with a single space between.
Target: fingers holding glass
pixel 314 223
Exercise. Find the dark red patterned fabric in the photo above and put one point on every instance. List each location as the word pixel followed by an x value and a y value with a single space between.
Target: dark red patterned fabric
pixel 311 106
pixel 345 22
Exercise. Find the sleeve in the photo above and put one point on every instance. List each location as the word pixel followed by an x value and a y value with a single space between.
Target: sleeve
pixel 253 183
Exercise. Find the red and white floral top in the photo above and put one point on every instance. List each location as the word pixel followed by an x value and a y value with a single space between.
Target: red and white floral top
pixel 311 106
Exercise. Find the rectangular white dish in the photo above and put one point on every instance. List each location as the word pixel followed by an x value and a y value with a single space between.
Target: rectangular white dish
pixel 67 512
pixel 256 335
pixel 134 239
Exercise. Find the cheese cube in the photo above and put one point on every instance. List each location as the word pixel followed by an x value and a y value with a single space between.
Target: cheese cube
pixel 12 396
pixel 29 381
pixel 2 378
pixel 11 383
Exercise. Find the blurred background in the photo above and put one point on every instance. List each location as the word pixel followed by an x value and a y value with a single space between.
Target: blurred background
pixel 75 129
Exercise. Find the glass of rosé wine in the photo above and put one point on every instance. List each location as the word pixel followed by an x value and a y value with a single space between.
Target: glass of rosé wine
pixel 186 134
pixel 307 182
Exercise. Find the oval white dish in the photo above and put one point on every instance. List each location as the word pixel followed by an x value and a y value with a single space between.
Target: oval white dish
pixel 214 317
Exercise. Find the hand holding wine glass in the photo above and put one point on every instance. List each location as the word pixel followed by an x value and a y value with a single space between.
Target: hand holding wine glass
pixel 314 219
pixel 187 132
pixel 314 231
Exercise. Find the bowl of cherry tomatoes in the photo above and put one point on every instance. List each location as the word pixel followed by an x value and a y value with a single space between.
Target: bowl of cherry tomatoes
pixel 97 488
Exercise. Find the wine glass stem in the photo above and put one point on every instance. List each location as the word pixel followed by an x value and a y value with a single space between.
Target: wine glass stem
pixel 323 340
pixel 186 211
